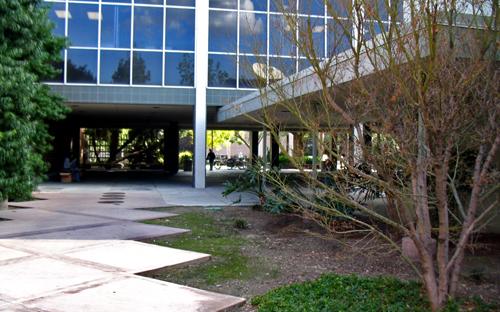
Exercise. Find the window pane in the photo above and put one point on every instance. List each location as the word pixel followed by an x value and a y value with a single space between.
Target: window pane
pixel 115 26
pixel 339 37
pixel 148 28
pixel 312 7
pixel 280 39
pixel 181 2
pixel 118 1
pixel 57 14
pixel 253 5
pixel 115 67
pixel 281 67
pixel 82 66
pixel 160 2
pixel 252 72
pixel 224 4
pixel 339 8
pixel 83 24
pixel 222 71
pixel 147 68
pixel 222 31
pixel 253 29
pixel 179 69
pixel 283 5
pixel 315 27
pixel 179 34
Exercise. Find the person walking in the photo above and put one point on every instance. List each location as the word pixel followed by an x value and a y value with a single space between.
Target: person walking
pixel 211 158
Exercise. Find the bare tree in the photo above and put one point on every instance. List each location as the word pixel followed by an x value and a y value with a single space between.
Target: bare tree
pixel 412 89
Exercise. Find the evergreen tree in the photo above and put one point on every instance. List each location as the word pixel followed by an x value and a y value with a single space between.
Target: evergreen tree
pixel 28 51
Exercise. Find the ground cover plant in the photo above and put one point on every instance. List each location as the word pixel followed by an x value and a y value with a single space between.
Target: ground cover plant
pixel 332 292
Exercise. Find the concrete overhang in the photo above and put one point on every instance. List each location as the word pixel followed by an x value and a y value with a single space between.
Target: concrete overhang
pixel 305 87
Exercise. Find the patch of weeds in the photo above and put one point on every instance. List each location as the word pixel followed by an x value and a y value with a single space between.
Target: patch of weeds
pixel 215 237
pixel 240 224
pixel 332 292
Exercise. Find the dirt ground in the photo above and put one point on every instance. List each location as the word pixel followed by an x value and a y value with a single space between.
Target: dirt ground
pixel 295 251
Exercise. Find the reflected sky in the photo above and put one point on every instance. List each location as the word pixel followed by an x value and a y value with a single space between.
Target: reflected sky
pixel 180 29
pixel 147 34
pixel 57 14
pixel 222 31
pixel 253 5
pixel 115 26
pixel 83 24
pixel 253 30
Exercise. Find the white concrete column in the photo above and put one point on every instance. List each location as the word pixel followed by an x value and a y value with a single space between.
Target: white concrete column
pixel 201 81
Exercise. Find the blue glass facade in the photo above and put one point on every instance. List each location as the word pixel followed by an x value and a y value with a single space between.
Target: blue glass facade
pixel 152 42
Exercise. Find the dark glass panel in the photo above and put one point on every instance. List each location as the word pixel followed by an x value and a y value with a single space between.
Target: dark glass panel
pixel 147 68
pixel 82 66
pixel 179 34
pixel 288 6
pixel 283 67
pixel 252 72
pixel 182 2
pixel 253 29
pixel 115 26
pixel 148 24
pixel 223 4
pixel 159 2
pixel 339 8
pixel 339 37
pixel 315 27
pixel 57 14
pixel 117 1
pixel 253 5
pixel 179 69
pixel 115 67
pixel 83 22
pixel 222 31
pixel 222 71
pixel 281 36
pixel 312 7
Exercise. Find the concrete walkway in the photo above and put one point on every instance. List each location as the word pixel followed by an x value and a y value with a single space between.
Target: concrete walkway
pixel 73 250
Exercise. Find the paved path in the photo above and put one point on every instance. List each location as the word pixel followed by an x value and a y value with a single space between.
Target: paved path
pixel 73 251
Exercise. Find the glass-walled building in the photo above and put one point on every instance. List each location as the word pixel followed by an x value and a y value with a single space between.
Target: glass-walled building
pixel 152 42
pixel 173 63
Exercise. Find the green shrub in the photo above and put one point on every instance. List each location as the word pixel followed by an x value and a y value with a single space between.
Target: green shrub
pixel 183 156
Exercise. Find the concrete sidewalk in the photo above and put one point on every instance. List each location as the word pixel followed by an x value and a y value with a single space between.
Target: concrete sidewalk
pixel 72 251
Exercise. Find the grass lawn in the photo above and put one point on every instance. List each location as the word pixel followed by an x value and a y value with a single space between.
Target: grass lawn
pixel 217 237
pixel 333 292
